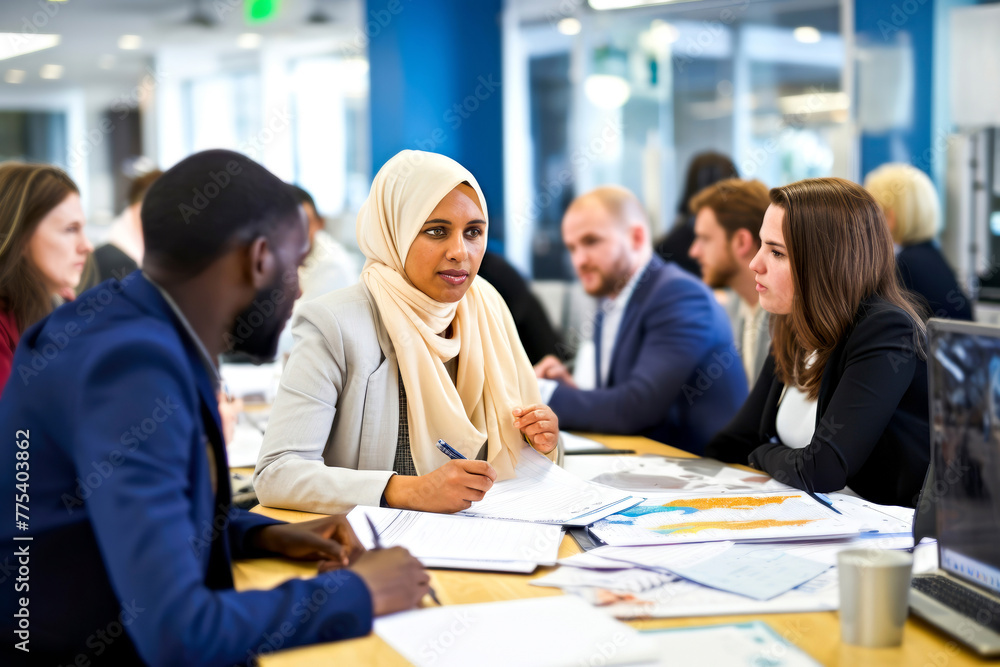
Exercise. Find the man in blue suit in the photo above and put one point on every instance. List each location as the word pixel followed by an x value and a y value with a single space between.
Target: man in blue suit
pixel 122 548
pixel 665 364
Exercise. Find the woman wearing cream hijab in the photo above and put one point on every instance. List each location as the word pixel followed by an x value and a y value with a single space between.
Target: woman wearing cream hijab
pixel 420 350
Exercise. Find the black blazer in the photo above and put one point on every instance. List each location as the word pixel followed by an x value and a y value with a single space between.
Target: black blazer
pixel 924 270
pixel 872 430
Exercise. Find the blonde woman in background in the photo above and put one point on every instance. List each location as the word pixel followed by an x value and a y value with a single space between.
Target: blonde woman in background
pixel 912 210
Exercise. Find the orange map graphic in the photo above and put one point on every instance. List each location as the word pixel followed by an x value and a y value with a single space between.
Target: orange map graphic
pixel 698 526
pixel 725 502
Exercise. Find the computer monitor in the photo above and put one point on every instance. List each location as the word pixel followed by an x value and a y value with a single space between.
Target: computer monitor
pixel 963 368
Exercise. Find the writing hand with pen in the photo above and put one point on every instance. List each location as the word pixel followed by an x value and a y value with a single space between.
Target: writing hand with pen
pixel 395 579
pixel 453 487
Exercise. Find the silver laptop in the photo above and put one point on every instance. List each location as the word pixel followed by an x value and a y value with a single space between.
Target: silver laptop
pixel 962 597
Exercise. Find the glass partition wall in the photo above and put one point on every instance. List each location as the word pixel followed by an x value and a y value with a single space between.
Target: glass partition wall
pixel 629 96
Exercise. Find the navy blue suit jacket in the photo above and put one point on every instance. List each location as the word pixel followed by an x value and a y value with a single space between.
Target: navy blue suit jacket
pixel 131 552
pixel 675 375
pixel 924 270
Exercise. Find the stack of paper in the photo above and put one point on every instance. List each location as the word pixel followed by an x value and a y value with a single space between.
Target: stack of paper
pixel 752 644
pixel 660 474
pixel 542 492
pixel 680 519
pixel 556 631
pixel 465 543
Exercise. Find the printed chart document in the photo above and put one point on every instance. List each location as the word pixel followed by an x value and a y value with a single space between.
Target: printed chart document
pixel 758 571
pixel 681 519
pixel 460 542
pixel 752 644
pixel 647 473
pixel 679 598
pixel 633 579
pixel 543 492
pixel 550 631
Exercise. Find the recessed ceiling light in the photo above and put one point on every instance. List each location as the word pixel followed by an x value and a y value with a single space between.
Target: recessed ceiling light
pixel 129 42
pixel 51 71
pixel 248 40
pixel 14 76
pixel 806 34
pixel 663 32
pixel 625 4
pixel 18 43
pixel 107 61
pixel 569 26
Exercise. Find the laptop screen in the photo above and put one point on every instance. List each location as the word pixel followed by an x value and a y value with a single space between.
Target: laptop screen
pixel 963 366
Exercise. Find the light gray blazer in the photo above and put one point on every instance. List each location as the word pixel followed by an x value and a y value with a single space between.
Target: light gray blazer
pixel 331 437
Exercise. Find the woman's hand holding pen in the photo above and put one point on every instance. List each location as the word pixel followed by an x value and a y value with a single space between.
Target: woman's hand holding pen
pixel 451 488
pixel 540 425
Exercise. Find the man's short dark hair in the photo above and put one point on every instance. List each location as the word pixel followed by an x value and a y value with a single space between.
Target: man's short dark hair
pixel 140 185
pixel 207 204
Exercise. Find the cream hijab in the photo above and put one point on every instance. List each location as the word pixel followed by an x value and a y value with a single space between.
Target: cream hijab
pixel 494 374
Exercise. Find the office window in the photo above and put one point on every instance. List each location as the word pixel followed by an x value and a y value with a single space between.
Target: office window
pixel 647 89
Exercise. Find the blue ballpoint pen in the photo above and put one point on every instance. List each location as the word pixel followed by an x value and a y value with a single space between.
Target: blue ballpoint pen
pixel 448 450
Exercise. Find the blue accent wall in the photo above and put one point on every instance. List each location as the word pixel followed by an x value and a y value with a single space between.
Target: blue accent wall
pixel 881 22
pixel 435 86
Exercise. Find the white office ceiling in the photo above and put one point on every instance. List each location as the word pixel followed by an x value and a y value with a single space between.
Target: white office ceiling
pixel 90 32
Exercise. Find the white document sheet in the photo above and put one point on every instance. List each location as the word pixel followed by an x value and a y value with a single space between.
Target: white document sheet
pixel 673 519
pixel 448 540
pixel 633 579
pixel 663 558
pixel 559 631
pixel 578 443
pixel 650 474
pixel 752 644
pixel 681 598
pixel 543 492
pixel 243 451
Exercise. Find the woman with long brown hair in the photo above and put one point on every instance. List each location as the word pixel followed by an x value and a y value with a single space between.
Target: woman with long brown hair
pixel 43 249
pixel 842 399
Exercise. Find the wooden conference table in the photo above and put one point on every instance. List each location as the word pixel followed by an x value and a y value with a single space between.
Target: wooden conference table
pixel 817 633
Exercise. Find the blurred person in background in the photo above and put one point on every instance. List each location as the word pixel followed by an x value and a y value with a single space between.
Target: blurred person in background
pixel 122 254
pixel 329 265
pixel 533 326
pixel 665 367
pixel 704 170
pixel 912 211
pixel 43 249
pixel 727 223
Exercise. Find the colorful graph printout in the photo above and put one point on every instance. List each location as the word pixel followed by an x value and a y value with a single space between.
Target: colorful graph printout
pixel 672 520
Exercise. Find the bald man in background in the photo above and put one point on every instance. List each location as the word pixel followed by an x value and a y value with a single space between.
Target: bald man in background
pixel 665 365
